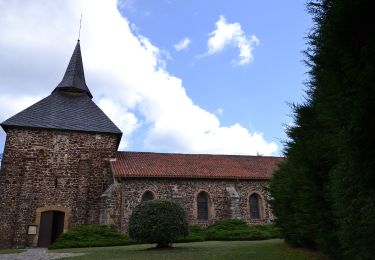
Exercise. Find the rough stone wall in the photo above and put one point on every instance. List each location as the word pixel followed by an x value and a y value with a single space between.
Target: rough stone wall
pixel 221 204
pixel 49 169
pixel 111 206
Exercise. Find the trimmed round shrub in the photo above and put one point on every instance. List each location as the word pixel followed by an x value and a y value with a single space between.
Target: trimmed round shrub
pixel 158 221
pixel 196 234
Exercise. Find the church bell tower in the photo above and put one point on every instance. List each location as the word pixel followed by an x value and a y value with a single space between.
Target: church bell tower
pixel 55 163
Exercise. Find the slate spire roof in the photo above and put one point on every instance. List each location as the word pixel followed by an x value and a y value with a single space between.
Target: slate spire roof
pixel 69 107
pixel 74 77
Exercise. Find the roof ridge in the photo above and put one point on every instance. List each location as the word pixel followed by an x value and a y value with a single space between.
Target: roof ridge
pixel 201 154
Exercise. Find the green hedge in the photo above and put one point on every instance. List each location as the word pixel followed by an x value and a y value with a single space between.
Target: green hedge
pixel 231 229
pixel 91 236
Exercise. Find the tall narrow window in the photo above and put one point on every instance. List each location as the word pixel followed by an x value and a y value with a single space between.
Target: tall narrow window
pixel 254 206
pixel 202 206
pixel 148 195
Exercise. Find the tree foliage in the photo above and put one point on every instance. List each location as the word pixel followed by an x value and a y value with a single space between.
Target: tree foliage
pixel 324 192
pixel 158 221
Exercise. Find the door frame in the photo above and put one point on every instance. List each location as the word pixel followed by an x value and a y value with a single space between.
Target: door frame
pixel 38 214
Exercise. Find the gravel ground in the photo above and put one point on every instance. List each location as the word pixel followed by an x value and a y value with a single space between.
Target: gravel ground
pixel 37 254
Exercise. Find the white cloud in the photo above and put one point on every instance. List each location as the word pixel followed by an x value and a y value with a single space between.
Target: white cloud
pixel 124 71
pixel 12 104
pixel 231 34
pixel 183 44
pixel 219 111
pixel 125 120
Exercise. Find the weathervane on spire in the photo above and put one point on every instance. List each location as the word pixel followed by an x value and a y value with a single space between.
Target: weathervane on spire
pixel 79 32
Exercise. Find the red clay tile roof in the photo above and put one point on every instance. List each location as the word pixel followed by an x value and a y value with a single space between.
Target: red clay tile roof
pixel 204 166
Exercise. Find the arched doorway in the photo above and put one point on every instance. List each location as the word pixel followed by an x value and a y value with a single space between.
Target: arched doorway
pixel 50 228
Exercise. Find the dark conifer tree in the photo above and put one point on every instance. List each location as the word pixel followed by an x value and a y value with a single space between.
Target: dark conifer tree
pixel 324 192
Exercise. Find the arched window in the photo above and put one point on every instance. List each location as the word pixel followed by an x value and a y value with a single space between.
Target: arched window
pixel 202 206
pixel 148 195
pixel 254 206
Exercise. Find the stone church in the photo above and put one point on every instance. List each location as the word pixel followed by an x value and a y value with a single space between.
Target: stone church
pixel 61 168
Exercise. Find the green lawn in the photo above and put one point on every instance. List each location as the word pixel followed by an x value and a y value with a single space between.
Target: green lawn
pixel 265 249
pixel 11 251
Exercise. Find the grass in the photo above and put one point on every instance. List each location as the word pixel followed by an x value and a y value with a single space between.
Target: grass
pixel 11 251
pixel 264 250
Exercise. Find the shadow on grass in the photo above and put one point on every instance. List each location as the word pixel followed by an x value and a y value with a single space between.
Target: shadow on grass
pixel 211 250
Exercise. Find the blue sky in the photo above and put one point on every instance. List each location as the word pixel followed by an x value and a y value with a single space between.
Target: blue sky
pixel 249 94
pixel 255 94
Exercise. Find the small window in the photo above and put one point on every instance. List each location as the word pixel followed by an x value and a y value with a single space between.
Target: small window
pixel 202 206
pixel 148 195
pixel 254 206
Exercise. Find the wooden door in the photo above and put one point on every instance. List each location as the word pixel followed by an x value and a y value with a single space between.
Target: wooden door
pixel 45 229
pixel 50 228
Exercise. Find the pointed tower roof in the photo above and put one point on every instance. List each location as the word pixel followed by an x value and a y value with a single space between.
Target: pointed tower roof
pixel 74 77
pixel 69 107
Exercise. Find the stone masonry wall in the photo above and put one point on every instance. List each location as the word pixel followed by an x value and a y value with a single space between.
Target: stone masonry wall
pixel 47 169
pixel 222 203
pixel 111 206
